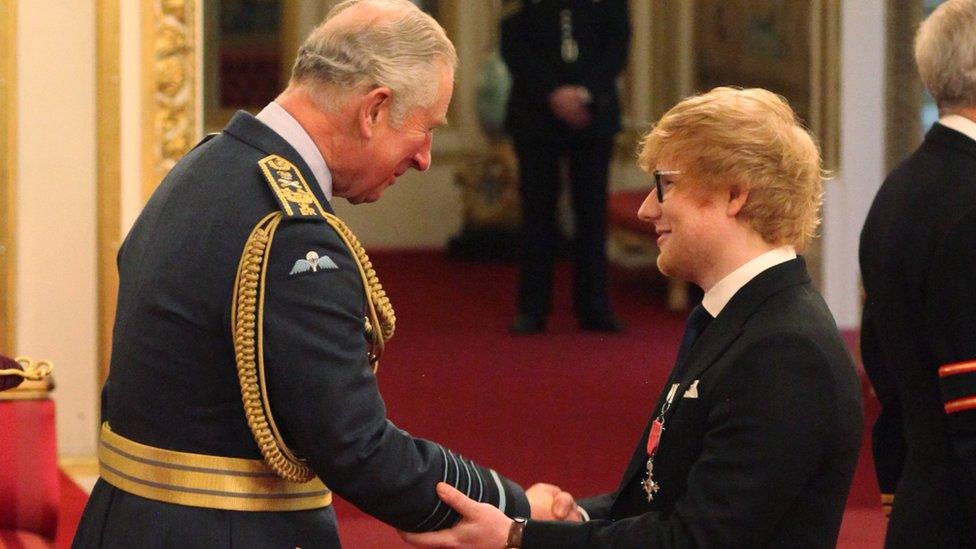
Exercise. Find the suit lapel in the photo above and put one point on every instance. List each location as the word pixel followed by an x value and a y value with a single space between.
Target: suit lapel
pixel 252 131
pixel 713 342
pixel 728 325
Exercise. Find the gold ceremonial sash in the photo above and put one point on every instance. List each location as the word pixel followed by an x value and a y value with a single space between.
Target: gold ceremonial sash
pixel 198 480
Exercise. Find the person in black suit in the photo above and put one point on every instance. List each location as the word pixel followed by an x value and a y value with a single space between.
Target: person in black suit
pixel 754 438
pixel 564 57
pixel 249 323
pixel 918 257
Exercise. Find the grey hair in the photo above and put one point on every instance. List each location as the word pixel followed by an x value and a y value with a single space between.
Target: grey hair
pixel 945 52
pixel 399 47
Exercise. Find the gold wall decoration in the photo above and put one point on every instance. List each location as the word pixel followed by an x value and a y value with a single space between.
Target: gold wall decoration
pixel 170 95
pixel 8 174
pixel 108 136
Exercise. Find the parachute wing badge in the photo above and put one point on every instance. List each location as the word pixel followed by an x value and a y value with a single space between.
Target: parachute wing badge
pixel 313 262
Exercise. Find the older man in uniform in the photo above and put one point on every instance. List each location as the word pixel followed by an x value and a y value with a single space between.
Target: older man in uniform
pixel 242 389
pixel 564 56
pixel 754 438
pixel 918 262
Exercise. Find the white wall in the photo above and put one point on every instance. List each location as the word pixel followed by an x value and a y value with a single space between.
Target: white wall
pixel 56 263
pixel 862 143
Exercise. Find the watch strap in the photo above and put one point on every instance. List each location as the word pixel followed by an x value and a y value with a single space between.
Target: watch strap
pixel 515 533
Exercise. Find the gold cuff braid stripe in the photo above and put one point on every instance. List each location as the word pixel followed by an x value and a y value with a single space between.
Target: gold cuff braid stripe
pixel 247 321
pixel 200 480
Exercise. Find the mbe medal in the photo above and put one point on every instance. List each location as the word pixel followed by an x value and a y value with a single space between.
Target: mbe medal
pixel 653 439
pixel 650 487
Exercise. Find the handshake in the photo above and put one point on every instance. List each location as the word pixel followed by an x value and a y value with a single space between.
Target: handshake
pixel 484 526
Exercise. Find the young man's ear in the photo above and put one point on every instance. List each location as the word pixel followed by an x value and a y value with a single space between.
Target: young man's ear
pixel 738 194
pixel 374 105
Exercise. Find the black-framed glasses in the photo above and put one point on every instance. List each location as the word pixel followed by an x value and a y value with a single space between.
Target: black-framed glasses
pixel 662 186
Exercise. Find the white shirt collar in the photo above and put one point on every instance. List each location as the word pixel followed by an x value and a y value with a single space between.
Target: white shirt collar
pixel 961 124
pixel 721 293
pixel 284 124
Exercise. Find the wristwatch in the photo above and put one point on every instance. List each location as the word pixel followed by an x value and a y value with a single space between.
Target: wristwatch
pixel 515 533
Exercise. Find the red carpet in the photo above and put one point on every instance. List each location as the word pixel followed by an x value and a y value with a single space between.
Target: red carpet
pixel 564 407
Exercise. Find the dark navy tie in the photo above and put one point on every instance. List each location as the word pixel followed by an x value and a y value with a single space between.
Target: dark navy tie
pixel 697 322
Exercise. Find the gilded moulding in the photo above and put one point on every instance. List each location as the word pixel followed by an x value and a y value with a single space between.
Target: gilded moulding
pixel 171 89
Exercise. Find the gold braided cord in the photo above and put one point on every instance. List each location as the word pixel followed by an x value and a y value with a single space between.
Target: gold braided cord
pixel 32 371
pixel 382 320
pixel 246 326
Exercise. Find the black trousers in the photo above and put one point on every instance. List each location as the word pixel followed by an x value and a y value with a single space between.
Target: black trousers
pixel 589 160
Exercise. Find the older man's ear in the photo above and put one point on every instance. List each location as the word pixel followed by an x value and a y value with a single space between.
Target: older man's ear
pixel 371 107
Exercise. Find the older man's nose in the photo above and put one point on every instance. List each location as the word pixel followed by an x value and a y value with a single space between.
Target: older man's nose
pixel 421 160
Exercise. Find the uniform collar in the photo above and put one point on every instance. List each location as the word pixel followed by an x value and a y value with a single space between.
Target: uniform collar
pixel 284 124
pixel 961 124
pixel 721 293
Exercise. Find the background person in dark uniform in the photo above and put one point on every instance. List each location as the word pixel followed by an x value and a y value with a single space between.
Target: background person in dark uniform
pixel 918 264
pixel 761 415
pixel 564 57
pixel 236 279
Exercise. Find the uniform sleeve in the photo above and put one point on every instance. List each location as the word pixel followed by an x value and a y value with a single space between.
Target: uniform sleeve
pixel 325 400
pixel 615 48
pixel 598 507
pixel 951 304
pixel 887 437
pixel 747 474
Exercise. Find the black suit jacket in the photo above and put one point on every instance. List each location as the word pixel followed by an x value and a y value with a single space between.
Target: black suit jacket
pixel 173 380
pixel 532 34
pixel 764 455
pixel 918 263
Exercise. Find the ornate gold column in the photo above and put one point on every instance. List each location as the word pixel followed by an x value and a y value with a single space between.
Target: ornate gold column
pixel 108 135
pixel 170 95
pixel 8 175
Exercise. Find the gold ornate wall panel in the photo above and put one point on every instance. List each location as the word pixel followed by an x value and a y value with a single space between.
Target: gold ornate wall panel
pixel 108 135
pixel 170 98
pixel 8 175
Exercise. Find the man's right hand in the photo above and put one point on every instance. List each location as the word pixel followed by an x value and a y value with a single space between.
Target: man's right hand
pixel 550 502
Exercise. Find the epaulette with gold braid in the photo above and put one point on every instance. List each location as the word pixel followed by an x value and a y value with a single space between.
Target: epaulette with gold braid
pixel 290 188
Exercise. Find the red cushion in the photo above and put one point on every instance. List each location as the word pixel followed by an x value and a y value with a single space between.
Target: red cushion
pixel 622 209
pixel 9 381
pixel 29 482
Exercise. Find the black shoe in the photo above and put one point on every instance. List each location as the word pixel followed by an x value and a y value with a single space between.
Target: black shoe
pixel 527 324
pixel 605 323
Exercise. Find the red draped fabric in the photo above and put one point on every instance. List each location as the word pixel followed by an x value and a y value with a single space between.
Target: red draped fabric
pixel 29 481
